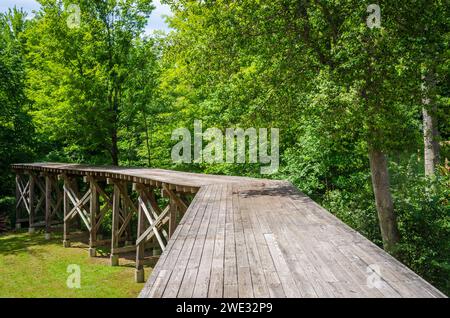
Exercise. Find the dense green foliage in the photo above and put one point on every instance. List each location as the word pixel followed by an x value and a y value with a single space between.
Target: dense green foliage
pixel 104 93
pixel 16 129
pixel 90 70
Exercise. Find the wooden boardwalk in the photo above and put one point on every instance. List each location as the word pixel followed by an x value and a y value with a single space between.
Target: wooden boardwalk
pixel 244 237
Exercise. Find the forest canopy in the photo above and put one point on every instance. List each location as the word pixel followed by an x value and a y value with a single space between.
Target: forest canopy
pixel 360 95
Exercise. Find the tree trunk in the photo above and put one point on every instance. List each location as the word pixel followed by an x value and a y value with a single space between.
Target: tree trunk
pixel 383 199
pixel 147 137
pixel 114 148
pixel 431 141
pixel 430 129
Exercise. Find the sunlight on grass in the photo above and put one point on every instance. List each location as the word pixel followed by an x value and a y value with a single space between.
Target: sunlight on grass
pixel 30 266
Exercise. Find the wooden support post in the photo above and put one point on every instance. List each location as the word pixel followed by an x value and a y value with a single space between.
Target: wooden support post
pixel 78 211
pixel 123 208
pixel 176 205
pixel 115 225
pixel 56 199
pixel 48 205
pixel 66 241
pixel 154 216
pixel 172 216
pixel 94 209
pixel 140 247
pixel 18 199
pixel 126 211
pixel 74 186
pixel 59 198
pixel 31 203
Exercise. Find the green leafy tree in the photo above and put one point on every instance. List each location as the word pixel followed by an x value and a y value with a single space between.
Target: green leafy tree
pixel 16 129
pixel 80 67
pixel 285 63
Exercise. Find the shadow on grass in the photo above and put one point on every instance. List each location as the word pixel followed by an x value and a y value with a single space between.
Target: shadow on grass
pixel 126 259
pixel 19 242
pixel 14 243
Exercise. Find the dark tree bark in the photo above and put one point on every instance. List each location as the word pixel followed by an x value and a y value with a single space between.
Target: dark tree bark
pixel 114 147
pixel 383 199
pixel 147 136
pixel 431 141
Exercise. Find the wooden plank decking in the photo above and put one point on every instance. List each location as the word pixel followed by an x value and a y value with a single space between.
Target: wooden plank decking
pixel 244 237
pixel 269 240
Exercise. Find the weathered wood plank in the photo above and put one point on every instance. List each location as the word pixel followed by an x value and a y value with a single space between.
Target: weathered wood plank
pixel 217 267
pixel 204 270
pixel 170 255
pixel 186 220
pixel 245 286
pixel 259 284
pixel 230 266
pixel 192 267
pixel 176 279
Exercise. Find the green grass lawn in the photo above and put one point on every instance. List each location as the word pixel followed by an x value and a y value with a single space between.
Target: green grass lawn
pixel 30 266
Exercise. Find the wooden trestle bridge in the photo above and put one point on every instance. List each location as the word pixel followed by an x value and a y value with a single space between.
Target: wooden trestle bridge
pixel 220 236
